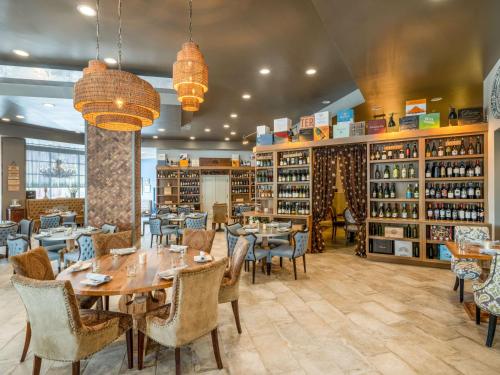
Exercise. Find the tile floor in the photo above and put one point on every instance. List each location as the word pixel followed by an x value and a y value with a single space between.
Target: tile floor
pixel 345 316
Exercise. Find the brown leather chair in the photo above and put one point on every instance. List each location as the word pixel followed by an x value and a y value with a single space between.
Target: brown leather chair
pixel 219 215
pixel 198 239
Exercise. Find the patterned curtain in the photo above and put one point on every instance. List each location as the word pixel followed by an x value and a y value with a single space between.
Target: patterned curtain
pixel 352 169
pixel 324 168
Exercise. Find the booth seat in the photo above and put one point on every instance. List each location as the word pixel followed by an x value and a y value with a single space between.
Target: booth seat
pixel 39 207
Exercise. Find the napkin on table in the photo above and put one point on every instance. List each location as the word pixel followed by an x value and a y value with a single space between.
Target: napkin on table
pixel 98 277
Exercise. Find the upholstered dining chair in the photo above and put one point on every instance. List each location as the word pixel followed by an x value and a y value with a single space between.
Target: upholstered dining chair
pixel 69 220
pixel 5 233
pixel 62 332
pixel 104 242
pixel 158 229
pixel 186 210
pixel 192 314
pixel 467 269
pixel 198 222
pixel 198 239
pixel 298 249
pixel 230 287
pixel 109 228
pixel 35 264
pixel 487 298
pixel 16 244
pixel 26 229
pixel 51 221
pixel 85 250
pixel 219 215
pixel 254 254
pixel 231 228
pixel 350 225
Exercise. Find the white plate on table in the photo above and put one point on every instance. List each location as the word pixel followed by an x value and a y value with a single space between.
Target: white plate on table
pixel 178 248
pixel 199 259
pixel 90 282
pixel 126 251
pixel 251 230
pixel 283 229
pixel 80 266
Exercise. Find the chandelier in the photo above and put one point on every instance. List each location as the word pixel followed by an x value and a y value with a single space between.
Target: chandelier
pixel 57 171
pixel 190 73
pixel 114 99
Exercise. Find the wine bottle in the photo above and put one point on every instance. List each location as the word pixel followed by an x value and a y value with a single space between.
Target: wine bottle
pixel 452 117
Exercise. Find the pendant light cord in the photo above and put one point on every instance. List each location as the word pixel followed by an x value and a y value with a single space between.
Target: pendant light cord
pixel 119 34
pixel 97 29
pixel 190 20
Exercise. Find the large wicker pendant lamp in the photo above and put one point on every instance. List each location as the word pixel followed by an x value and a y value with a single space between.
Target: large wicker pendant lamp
pixel 190 73
pixel 114 99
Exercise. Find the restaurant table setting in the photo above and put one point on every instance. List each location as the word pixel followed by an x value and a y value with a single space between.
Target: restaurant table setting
pixel 264 232
pixel 6 223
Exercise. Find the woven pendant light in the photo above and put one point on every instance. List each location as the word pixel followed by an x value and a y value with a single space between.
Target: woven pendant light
pixel 114 99
pixel 190 73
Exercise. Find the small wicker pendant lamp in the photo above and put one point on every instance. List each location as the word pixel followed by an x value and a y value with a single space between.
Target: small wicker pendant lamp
pixel 190 73
pixel 114 99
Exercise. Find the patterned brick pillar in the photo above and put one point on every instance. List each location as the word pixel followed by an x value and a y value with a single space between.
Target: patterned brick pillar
pixel 113 179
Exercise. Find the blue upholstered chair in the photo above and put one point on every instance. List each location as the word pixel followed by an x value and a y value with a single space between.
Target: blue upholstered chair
pixel 231 228
pixel 198 222
pixel 159 228
pixel 254 254
pixel 163 211
pixel 239 210
pixel 186 210
pixel 52 221
pixel 5 233
pixel 85 250
pixel 26 230
pixel 69 220
pixel 298 249
pixel 109 228
pixel 16 244
pixel 487 298
pixel 467 269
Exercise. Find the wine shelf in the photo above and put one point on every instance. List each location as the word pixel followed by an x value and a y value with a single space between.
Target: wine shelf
pixel 394 161
pixel 461 157
pixel 392 238
pixel 395 180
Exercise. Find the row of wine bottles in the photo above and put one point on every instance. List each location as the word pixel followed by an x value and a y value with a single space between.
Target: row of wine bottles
pixel 293 208
pixel 265 192
pixel 166 174
pixel 395 172
pixel 189 182
pixel 264 162
pixel 380 152
pixel 387 211
pixel 264 176
pixel 451 148
pixel 457 169
pixel 239 182
pixel 240 190
pixel 189 190
pixel 242 175
pixel 189 199
pixel 455 212
pixel 297 175
pixel 386 191
pixel 185 174
pixel 287 191
pixel 454 191
pixel 294 158
pixel 378 229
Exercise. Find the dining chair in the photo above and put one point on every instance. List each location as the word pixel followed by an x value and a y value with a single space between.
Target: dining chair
pixel 192 314
pixel 350 225
pixel 239 215
pixel 62 332
pixel 198 222
pixel 254 254
pixel 298 249
pixel 231 228
pixel 16 244
pixel 198 239
pixel 158 229
pixel 85 250
pixel 230 287
pixel 5 233
pixel 54 248
pixel 219 215
pixel 35 264
pixel 487 298
pixel 329 222
pixel 51 221
pixel 104 242
pixel 281 240
pixel 69 220
pixel 467 269
pixel 26 229
pixel 109 228
pixel 186 210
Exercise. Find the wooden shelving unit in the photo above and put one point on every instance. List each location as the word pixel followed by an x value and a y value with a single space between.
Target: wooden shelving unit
pixel 242 183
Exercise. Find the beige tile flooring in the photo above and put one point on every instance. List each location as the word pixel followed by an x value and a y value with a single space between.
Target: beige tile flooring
pixel 345 316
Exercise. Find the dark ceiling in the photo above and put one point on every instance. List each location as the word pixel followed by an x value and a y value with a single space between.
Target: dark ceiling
pixel 390 49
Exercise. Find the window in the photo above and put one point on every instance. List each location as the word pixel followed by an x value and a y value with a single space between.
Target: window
pixel 56 166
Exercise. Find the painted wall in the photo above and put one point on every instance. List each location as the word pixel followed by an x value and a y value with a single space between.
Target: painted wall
pixel 13 151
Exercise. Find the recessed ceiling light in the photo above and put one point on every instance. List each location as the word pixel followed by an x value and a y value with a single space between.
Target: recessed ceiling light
pixel 226 139
pixel 233 115
pixel 226 126
pixel 20 52
pixel 49 105
pixel 155 137
pixel 311 71
pixel 86 10
pixel 326 102
pixel 208 130
pixel 265 71
pixel 245 141
pixel 161 130
pixel 20 116
pixel 110 60
pixel 5 119
pixel 436 99
pixel 192 138
pixel 233 133
pixel 246 96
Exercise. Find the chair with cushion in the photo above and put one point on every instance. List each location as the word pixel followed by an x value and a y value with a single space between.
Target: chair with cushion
pixel 109 228
pixel 230 287
pixel 186 210
pixel 487 298
pixel 231 228
pixel 351 228
pixel 158 229
pixel 35 264
pixel 254 254
pixel 69 220
pixel 198 239
pixel 51 221
pixel 197 221
pixel 219 211
pixel 298 249
pixel 60 331
pixel 104 242
pixel 26 229
pixel 85 250
pixel 5 233
pixel 467 269
pixel 16 244
pixel 192 314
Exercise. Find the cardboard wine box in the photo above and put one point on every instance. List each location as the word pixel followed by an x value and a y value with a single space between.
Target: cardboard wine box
pixel 383 246
pixel 429 121
pixel 376 126
pixel 263 129
pixel 306 129
pixel 403 248
pixel 357 128
pixel 281 130
pixel 346 115
pixel 468 116
pixel 265 139
pixel 408 123
pixel 341 130
pixel 321 125
pixel 444 253
pixel 393 232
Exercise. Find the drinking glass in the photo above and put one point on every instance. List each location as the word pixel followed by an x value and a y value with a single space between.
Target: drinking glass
pixel 131 270
pixel 176 260
pixel 96 265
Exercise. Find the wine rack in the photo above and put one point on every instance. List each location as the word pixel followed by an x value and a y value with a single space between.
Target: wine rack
pixel 419 190
pixel 242 183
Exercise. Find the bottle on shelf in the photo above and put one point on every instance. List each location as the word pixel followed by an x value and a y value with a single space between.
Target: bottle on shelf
pixel 452 117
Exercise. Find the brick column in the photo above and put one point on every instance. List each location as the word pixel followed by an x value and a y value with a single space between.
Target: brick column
pixel 113 179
